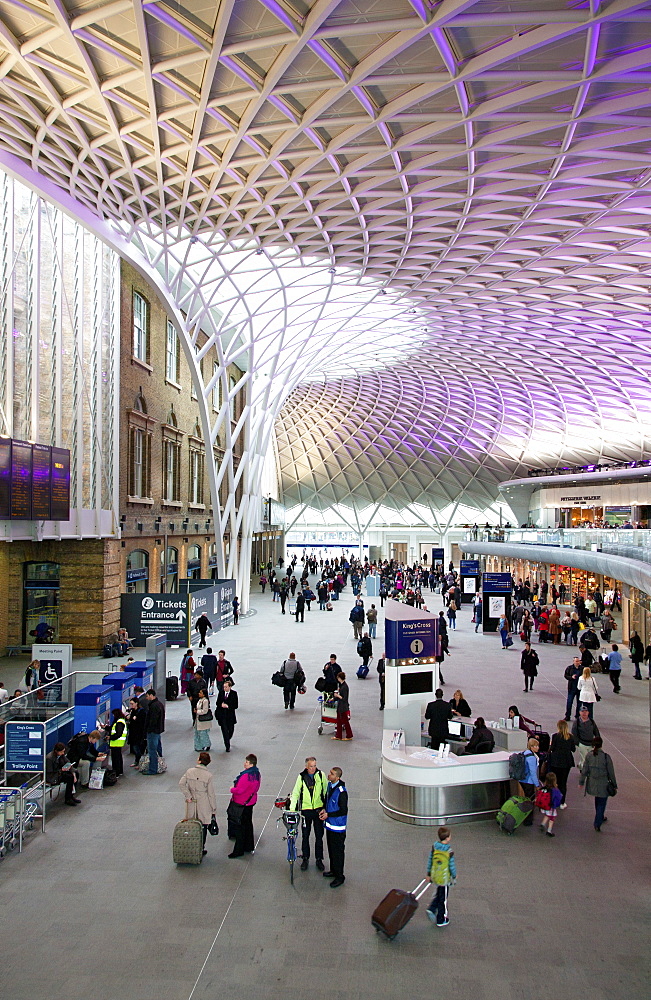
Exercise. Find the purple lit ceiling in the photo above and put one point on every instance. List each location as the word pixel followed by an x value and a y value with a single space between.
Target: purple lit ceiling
pixel 488 160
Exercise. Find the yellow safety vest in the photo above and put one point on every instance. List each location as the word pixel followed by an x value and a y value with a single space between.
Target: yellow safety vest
pixel 118 741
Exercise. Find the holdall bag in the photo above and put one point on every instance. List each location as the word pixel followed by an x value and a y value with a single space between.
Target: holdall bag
pixel 514 812
pixel 508 641
pixel 144 764
pixel 110 778
pixel 320 684
pixel 278 679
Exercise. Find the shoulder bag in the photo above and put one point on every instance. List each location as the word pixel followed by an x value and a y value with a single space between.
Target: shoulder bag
pixel 235 810
pixel 611 787
pixel 205 716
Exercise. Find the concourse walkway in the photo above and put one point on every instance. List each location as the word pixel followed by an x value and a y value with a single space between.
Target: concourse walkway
pixel 95 908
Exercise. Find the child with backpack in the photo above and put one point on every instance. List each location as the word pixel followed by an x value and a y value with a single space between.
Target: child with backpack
pixel 442 871
pixel 548 799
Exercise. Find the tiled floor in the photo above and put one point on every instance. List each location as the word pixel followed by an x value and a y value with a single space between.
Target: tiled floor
pixel 95 906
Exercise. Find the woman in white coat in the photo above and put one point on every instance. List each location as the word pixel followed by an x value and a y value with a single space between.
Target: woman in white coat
pixel 202 724
pixel 588 692
pixel 198 789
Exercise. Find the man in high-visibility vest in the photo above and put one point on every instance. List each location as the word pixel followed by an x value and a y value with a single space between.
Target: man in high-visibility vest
pixel 335 817
pixel 117 740
pixel 309 796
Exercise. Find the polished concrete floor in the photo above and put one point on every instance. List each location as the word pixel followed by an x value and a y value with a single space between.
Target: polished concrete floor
pixel 95 907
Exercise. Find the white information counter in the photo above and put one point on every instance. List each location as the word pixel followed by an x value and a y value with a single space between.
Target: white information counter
pixel 418 788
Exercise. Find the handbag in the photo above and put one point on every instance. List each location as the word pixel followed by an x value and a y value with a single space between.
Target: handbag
pixel 205 716
pixel 213 829
pixel 320 684
pixel 234 812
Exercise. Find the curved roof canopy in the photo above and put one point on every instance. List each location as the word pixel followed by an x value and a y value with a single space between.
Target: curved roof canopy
pixel 487 162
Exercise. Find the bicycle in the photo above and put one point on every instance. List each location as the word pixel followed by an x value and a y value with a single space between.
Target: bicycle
pixel 292 820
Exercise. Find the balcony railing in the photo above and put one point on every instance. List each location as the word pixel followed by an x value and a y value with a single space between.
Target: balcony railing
pixel 633 543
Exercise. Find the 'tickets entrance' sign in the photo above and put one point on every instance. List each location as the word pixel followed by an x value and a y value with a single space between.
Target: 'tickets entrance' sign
pixel 148 614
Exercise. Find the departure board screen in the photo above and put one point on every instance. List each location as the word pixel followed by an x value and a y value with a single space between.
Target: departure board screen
pixel 5 477
pixel 41 481
pixel 60 485
pixel 21 480
pixel 34 481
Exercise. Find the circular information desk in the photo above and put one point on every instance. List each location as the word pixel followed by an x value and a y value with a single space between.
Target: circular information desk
pixel 417 788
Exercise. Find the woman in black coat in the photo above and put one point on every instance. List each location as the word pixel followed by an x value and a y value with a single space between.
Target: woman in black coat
pixel 561 756
pixel 137 725
pixel 459 705
pixel 529 665
pixel 227 703
pixel 636 647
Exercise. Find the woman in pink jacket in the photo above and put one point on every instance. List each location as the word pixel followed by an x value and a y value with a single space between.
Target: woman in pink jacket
pixel 244 795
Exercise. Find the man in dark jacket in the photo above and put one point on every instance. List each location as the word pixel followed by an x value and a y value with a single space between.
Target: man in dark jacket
pixel 300 607
pixel 438 712
pixel 584 731
pixel 572 674
pixel 155 728
pixel 82 752
pixel 202 626
pixel 365 648
pixel 227 703
pixel 357 617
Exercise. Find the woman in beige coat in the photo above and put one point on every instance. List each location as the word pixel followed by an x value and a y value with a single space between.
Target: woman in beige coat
pixel 198 789
pixel 202 729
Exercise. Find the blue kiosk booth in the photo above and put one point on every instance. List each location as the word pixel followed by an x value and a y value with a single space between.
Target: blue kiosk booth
pixel 144 673
pixel 92 706
pixel 121 685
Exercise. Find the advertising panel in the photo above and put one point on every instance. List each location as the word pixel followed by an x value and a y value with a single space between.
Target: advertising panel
pixel 438 555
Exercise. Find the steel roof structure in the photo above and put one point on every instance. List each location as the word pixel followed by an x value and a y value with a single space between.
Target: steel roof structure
pixel 484 164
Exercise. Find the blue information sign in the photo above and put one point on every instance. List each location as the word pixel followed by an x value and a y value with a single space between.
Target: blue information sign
pixel 496 583
pixel 469 567
pixel 438 555
pixel 25 746
pixel 406 640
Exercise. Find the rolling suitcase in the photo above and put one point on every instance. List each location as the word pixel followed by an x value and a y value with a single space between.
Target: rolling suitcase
pixel 514 812
pixel 187 841
pixel 362 672
pixel 171 688
pixel 396 910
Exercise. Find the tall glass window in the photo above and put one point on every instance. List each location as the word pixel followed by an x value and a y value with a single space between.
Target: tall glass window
pixel 137 462
pixel 139 327
pixel 172 354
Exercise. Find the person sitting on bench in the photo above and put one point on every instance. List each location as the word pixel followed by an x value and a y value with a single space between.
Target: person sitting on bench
pixel 83 752
pixel 59 770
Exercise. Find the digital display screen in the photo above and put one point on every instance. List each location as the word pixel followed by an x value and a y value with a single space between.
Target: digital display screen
pixel 417 683
pixel 60 485
pixel 5 477
pixel 454 728
pixel 41 457
pixel 34 481
pixel 21 480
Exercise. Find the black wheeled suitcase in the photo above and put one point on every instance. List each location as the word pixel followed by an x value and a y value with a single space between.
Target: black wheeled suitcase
pixel 396 910
pixel 171 688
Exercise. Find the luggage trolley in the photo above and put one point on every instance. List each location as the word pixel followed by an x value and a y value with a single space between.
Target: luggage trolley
pixel 328 713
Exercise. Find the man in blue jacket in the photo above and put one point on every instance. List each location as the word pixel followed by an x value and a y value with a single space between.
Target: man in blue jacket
pixel 335 816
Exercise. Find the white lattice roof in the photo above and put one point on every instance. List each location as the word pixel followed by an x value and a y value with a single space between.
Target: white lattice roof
pixel 487 161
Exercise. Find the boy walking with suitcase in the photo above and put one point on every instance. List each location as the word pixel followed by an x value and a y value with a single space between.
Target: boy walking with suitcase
pixel 442 871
